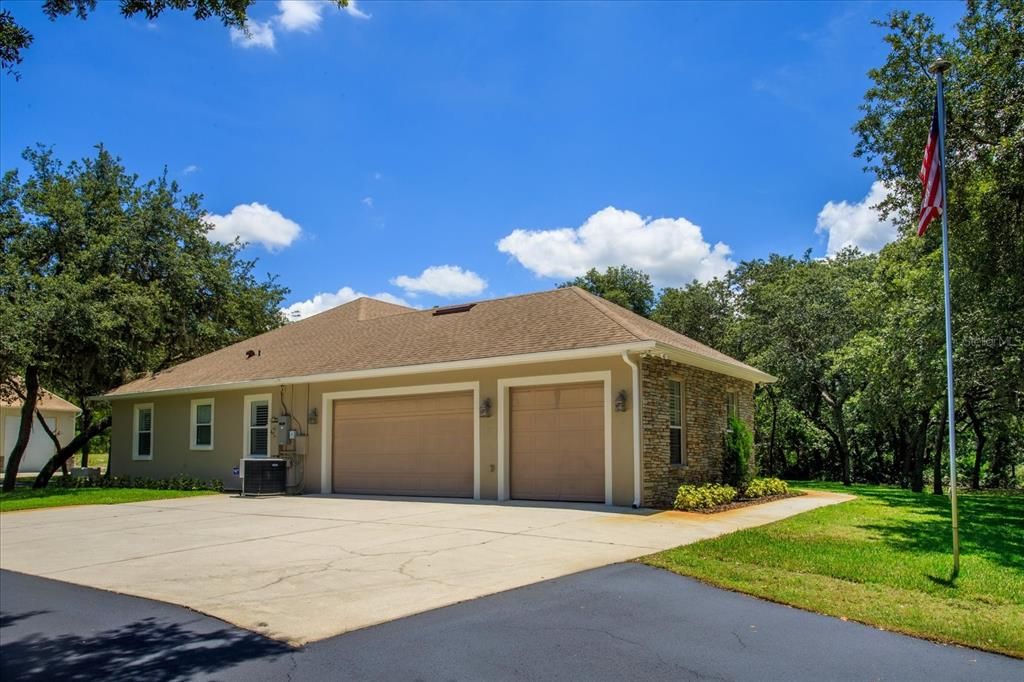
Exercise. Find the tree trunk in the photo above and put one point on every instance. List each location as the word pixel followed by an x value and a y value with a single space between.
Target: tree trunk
pixel 28 408
pixel 844 454
pixel 901 447
pixel 771 438
pixel 979 450
pixel 89 431
pixel 940 438
pixel 838 435
pixel 54 438
pixel 918 448
pixel 999 471
pixel 85 455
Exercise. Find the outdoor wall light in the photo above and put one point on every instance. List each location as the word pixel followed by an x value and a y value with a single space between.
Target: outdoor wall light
pixel 312 416
pixel 485 407
pixel 620 401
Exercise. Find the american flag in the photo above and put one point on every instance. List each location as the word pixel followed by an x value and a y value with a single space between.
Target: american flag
pixel 931 177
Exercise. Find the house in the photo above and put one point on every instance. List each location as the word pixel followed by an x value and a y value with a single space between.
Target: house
pixel 558 395
pixel 60 417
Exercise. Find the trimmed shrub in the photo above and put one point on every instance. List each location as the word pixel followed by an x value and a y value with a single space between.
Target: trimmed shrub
pixel 739 451
pixel 765 487
pixel 690 497
pixel 176 483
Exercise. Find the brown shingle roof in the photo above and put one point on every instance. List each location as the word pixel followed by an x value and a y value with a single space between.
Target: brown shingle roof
pixel 47 401
pixel 652 331
pixel 366 334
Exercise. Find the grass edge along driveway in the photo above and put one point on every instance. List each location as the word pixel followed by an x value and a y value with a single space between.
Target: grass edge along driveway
pixel 27 498
pixel 883 559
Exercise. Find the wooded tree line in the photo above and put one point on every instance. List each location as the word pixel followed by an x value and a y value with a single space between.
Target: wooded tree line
pixel 857 340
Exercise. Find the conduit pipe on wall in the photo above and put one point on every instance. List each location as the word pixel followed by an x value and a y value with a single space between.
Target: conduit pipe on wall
pixel 636 428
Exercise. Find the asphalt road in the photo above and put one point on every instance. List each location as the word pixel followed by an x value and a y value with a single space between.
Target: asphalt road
pixel 625 621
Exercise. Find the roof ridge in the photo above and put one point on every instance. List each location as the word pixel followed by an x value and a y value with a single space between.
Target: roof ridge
pixel 588 297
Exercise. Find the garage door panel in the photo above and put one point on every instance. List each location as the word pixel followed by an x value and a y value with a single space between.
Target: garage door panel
pixel 556 442
pixel 581 397
pixel 408 445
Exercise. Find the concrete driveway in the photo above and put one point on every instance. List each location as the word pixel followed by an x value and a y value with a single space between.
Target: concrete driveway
pixel 300 569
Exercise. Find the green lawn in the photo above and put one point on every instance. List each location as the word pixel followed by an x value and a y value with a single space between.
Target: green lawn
pixel 883 559
pixel 63 497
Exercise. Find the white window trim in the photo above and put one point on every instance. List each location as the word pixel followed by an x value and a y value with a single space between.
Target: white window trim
pixel 503 416
pixel 683 460
pixel 327 423
pixel 247 421
pixel 135 431
pixel 193 424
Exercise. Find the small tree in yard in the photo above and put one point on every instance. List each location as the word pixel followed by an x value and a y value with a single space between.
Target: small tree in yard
pixel 739 453
pixel 104 278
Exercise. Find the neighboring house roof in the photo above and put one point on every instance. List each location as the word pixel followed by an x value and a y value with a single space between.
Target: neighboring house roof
pixel 47 402
pixel 367 334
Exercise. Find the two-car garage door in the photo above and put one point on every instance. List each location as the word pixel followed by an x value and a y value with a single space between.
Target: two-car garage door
pixel 424 444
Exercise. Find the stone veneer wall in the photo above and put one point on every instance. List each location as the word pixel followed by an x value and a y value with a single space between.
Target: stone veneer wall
pixel 705 398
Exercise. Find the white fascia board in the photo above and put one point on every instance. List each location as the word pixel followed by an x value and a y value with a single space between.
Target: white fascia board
pixel 456 365
pixel 687 357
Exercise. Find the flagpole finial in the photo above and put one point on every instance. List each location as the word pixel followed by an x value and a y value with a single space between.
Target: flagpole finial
pixel 940 65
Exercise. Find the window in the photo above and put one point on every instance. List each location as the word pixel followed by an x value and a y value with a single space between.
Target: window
pixel 202 424
pixel 257 425
pixel 732 405
pixel 676 423
pixel 142 432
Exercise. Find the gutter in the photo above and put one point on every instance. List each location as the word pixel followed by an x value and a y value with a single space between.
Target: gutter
pixel 739 371
pixel 636 428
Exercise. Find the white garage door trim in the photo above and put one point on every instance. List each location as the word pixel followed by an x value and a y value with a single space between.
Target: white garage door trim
pixel 327 423
pixel 503 415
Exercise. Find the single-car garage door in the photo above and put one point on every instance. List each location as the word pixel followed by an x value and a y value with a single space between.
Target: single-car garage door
pixel 556 443
pixel 408 445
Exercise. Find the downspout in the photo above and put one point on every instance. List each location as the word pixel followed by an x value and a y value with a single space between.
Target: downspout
pixel 636 428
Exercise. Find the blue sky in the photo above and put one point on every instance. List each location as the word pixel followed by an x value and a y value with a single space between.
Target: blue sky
pixel 518 144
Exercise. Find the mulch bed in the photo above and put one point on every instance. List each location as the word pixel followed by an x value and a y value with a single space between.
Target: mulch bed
pixel 736 504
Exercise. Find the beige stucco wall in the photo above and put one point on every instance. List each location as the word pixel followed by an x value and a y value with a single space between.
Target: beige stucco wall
pixel 171 429
pixel 171 426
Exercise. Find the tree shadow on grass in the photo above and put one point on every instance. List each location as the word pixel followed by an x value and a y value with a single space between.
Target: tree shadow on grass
pixel 148 649
pixel 991 526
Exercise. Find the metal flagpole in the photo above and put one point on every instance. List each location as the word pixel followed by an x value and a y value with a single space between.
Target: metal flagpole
pixel 939 67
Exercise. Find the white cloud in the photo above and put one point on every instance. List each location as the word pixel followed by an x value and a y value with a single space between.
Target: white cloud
pixel 300 15
pixel 442 280
pixel 189 169
pixel 367 201
pixel 303 16
pixel 254 223
pixel 326 301
pixel 857 224
pixel 671 250
pixel 354 11
pixel 261 34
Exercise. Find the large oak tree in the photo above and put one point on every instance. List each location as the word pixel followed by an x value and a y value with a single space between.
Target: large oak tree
pixel 105 277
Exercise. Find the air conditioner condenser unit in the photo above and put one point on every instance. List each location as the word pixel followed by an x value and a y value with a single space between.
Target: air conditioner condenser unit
pixel 263 475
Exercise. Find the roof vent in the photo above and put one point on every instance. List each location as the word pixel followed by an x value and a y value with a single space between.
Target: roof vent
pixel 251 353
pixel 449 310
